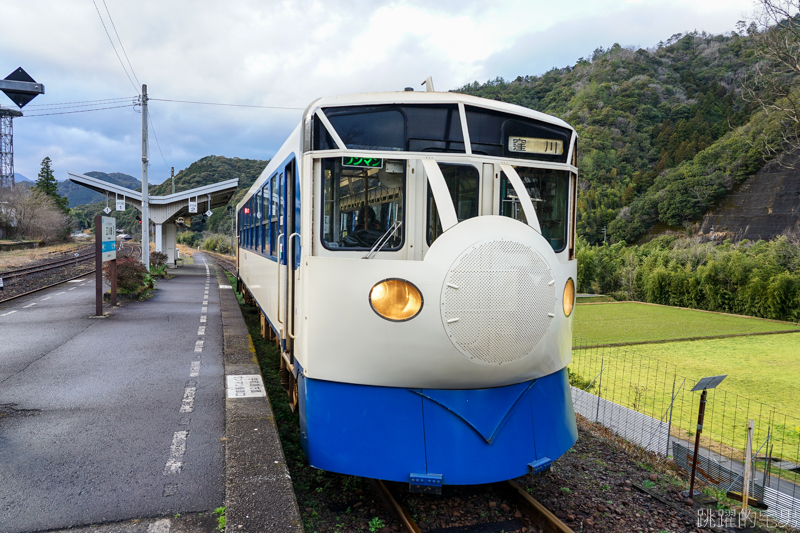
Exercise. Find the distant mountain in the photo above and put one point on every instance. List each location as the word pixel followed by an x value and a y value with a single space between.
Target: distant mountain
pixel 80 195
pixel 22 181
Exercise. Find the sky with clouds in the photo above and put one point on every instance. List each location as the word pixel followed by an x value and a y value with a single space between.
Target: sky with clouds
pixel 282 54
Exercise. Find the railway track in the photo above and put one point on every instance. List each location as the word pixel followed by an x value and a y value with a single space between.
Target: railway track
pixel 227 262
pixel 534 516
pixel 20 282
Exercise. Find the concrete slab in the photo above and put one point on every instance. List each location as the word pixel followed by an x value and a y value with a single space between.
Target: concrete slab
pixel 259 492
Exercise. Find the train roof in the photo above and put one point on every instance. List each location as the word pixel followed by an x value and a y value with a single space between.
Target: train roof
pixel 430 97
pixel 395 97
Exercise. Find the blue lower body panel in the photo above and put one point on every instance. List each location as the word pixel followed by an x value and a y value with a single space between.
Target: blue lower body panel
pixel 466 436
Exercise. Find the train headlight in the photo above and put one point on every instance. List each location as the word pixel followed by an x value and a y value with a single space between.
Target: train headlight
pixel 395 299
pixel 569 297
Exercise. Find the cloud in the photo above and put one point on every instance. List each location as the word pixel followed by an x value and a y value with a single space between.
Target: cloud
pixel 284 53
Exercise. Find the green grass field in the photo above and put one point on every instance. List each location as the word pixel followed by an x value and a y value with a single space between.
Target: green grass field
pixel 635 322
pixel 763 370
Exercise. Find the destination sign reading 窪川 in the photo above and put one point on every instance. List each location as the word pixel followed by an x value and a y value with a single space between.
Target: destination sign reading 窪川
pixel 530 145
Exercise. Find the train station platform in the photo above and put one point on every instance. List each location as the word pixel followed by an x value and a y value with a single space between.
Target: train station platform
pixel 137 422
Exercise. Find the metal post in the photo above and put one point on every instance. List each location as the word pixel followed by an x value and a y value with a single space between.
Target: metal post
pixel 145 191
pixel 669 424
pixel 697 439
pixel 766 455
pixel 172 176
pixel 113 282
pixel 747 466
pixel 98 265
pixel 599 389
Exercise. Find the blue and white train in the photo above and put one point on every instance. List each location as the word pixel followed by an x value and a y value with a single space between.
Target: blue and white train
pixel 413 253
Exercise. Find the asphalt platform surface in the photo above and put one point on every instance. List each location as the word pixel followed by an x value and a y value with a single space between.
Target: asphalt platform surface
pixel 121 424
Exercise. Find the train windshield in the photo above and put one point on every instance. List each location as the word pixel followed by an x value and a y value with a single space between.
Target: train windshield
pixel 462 181
pixel 549 192
pixel 363 201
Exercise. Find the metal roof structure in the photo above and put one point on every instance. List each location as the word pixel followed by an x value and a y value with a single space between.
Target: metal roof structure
pixel 167 208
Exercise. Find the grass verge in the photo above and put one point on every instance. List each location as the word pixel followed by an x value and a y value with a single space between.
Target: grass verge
pixel 632 322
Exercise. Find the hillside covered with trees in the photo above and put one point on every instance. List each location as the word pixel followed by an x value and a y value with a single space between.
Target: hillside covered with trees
pixel 664 132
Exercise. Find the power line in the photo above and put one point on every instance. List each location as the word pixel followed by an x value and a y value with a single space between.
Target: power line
pixel 83 101
pixel 119 100
pixel 120 43
pixel 70 112
pixel 152 125
pixel 229 105
pixel 114 47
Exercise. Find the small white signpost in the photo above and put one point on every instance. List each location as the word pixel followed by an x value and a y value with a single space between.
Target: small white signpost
pixel 109 246
pixel 105 236
pixel 193 205
pixel 121 204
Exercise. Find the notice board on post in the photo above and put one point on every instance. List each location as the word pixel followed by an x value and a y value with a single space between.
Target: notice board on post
pixel 109 238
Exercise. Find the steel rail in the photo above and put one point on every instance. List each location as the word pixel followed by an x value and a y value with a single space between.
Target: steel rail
pixel 47 266
pixel 4 300
pixel 393 505
pixel 541 517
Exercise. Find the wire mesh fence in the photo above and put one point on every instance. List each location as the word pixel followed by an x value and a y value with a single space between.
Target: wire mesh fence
pixel 649 402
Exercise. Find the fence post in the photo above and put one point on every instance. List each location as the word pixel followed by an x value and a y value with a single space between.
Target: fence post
pixel 747 466
pixel 599 389
pixel 669 424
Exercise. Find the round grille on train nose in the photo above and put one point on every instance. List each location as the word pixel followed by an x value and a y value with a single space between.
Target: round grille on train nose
pixel 498 301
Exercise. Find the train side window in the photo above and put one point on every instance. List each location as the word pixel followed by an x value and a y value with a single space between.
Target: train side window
pixel 273 217
pixel 363 201
pixel 462 181
pixel 549 192
pixel 265 219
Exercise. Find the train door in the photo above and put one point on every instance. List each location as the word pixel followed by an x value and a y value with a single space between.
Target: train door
pixel 289 259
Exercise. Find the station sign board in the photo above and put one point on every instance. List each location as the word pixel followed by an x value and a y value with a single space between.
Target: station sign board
pixel 108 235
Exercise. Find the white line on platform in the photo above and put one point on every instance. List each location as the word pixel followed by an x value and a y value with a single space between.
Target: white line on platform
pixel 225 287
pixel 202 319
pixel 201 330
pixel 74 281
pixel 29 305
pixel 198 346
pixel 204 309
pixel 187 404
pixel 46 298
pixel 195 370
pixel 176 453
pixel 72 288
pixel 6 314
pixel 205 302
pixel 62 292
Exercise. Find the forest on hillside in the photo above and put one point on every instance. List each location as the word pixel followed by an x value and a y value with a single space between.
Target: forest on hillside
pixel 664 132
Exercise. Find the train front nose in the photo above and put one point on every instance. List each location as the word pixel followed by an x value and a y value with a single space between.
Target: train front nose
pixel 498 295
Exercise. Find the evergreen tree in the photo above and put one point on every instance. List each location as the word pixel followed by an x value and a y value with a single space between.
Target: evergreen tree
pixel 46 183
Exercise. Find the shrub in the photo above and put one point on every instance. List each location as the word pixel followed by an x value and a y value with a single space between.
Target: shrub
pixel 158 259
pixel 132 276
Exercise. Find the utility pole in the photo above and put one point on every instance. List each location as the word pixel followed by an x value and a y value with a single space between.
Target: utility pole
pixel 145 192
pixel 604 233
pixel 172 176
